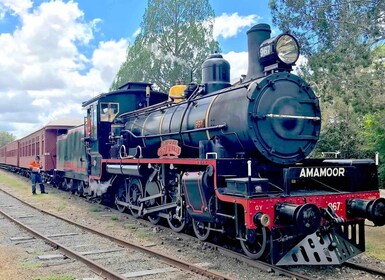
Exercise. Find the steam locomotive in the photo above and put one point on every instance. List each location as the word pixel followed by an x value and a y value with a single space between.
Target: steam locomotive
pixel 230 160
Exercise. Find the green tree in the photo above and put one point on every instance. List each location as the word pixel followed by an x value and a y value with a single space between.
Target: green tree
pixel 343 41
pixel 374 131
pixel 338 38
pixel 6 137
pixel 176 36
pixel 320 24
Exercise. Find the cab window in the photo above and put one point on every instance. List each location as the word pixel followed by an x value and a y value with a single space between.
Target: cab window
pixel 108 111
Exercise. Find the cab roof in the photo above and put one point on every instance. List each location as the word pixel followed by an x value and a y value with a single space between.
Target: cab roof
pixel 130 86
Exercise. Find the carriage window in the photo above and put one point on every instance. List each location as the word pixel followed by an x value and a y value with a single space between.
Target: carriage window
pixel 108 111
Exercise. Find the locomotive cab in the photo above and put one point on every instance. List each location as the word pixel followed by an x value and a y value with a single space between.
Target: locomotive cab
pixel 103 112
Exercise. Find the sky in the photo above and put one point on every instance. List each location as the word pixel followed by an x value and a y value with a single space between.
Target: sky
pixel 56 54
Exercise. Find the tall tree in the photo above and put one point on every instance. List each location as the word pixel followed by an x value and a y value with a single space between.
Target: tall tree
pixel 374 131
pixel 175 38
pixel 338 38
pixel 343 41
pixel 6 137
pixel 320 24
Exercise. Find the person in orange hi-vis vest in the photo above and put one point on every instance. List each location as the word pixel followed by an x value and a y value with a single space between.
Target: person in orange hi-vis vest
pixel 35 167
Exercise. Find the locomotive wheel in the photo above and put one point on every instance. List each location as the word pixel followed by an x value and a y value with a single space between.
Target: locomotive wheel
pixel 63 185
pixel 74 186
pixel 258 247
pixel 135 191
pixel 80 189
pixel 202 230
pixel 98 199
pixel 121 195
pixel 69 185
pixel 56 184
pixel 174 223
pixel 154 219
pixel 153 188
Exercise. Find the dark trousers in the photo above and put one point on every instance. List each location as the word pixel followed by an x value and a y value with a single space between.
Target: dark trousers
pixel 36 179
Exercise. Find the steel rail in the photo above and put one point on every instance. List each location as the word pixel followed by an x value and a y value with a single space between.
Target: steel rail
pixel 365 268
pixel 166 259
pixel 260 264
pixel 100 270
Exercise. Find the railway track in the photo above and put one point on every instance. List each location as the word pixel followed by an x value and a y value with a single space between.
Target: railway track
pixel 109 257
pixel 167 259
pixel 197 269
pixel 371 270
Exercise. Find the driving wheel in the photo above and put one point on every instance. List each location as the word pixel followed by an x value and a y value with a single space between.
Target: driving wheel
pixel 121 195
pixel 177 218
pixel 201 229
pixel 80 189
pixel 255 243
pixel 153 188
pixel 134 193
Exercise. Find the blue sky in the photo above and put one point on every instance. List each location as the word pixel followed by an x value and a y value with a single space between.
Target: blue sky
pixel 56 54
pixel 122 18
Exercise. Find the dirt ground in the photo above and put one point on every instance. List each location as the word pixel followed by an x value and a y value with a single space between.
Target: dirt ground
pixel 10 260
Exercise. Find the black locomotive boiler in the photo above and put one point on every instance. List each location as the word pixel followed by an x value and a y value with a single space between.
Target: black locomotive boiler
pixel 229 160
pixel 272 115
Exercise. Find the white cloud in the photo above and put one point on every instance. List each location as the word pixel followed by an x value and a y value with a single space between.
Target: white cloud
pixel 107 57
pixel 228 26
pixel 238 64
pixel 43 72
pixel 15 7
pixel 137 32
pixel 301 62
pixel 42 103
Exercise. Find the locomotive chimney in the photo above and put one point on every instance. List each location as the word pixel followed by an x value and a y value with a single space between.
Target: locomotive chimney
pixel 255 37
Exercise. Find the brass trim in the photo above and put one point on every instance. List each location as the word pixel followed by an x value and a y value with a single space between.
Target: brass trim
pixel 207 117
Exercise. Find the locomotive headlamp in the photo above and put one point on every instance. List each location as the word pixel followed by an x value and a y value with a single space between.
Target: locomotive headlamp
pixel 283 49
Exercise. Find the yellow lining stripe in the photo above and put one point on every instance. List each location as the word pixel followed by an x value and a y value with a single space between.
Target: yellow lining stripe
pixel 207 116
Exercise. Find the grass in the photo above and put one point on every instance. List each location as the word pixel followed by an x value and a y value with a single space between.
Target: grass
pixel 143 234
pixel 32 265
pixel 56 277
pixel 40 196
pixel 11 181
pixel 131 227
pixel 375 242
pixel 115 218
pixel 96 208
pixel 60 207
